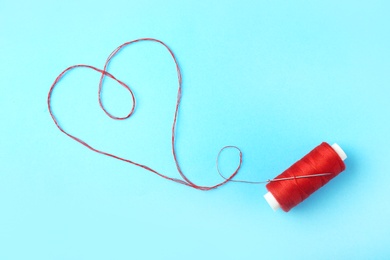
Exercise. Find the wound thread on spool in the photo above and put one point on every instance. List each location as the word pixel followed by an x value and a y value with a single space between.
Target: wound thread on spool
pixel 289 193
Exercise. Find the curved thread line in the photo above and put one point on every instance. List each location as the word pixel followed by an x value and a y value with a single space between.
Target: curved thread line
pixel 104 73
pixel 264 181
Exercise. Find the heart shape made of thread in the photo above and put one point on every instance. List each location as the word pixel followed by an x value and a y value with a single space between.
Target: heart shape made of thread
pixel 104 73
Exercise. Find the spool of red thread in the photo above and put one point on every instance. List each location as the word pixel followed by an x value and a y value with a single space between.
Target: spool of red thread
pixel 287 194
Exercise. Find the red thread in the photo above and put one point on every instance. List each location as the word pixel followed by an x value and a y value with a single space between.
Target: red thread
pixel 322 159
pixel 105 73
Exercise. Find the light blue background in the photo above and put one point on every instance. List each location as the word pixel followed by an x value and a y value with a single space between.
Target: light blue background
pixel 275 78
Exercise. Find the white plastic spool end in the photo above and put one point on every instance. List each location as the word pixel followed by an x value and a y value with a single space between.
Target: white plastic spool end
pixel 339 151
pixel 273 203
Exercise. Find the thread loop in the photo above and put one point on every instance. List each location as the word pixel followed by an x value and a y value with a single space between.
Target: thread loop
pixel 104 73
